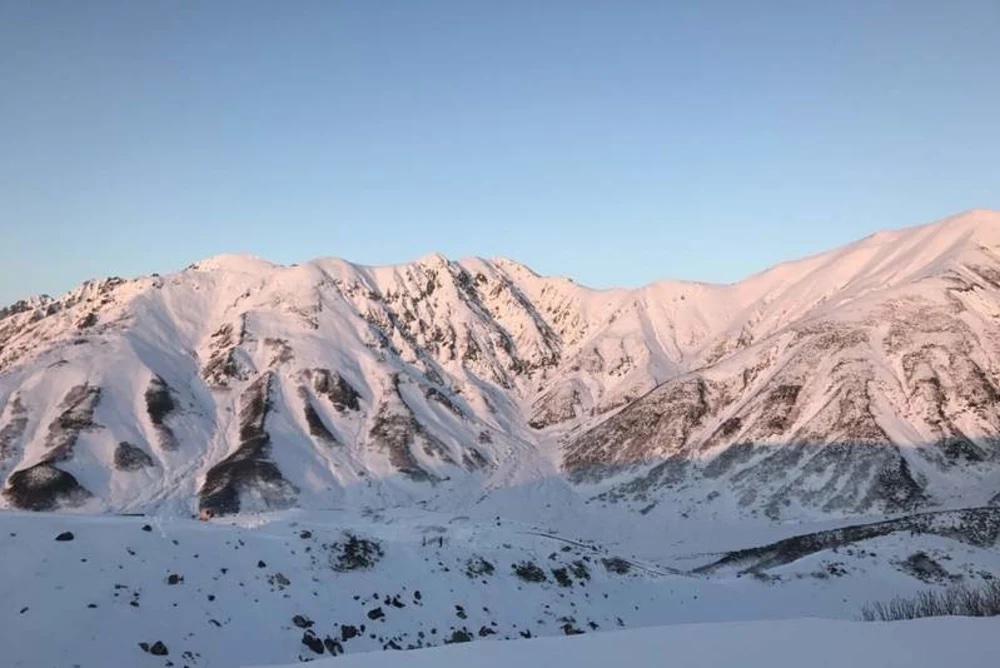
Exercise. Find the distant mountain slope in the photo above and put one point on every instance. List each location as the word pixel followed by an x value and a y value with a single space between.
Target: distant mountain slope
pixel 879 394
pixel 859 380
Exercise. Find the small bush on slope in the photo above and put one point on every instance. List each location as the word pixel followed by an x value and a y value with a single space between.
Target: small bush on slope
pixel 959 600
pixel 529 572
pixel 355 553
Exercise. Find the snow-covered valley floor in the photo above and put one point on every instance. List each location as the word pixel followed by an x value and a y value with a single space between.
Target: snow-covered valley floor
pixel 819 643
pixel 286 587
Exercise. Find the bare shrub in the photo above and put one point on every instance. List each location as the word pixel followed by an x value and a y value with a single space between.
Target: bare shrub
pixel 959 600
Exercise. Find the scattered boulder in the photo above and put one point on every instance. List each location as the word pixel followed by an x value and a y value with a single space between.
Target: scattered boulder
pixel 333 646
pixel 302 622
pixel 156 649
pixel 313 642
pixel 65 536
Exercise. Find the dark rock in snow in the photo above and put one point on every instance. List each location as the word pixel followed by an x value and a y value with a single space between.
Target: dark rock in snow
pixel 310 640
pixel 44 487
pixel 302 622
pixel 129 457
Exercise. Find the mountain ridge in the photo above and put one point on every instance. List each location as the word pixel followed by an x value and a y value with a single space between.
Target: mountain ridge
pixel 475 375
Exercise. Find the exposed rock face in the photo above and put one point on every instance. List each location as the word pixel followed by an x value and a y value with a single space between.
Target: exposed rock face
pixel 77 415
pixel 13 430
pixel 44 487
pixel 129 457
pixel 862 380
pixel 802 422
pixel 248 472
pixel 160 405
pixel 337 390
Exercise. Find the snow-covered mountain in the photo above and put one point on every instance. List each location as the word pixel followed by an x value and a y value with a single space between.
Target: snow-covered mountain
pixel 863 380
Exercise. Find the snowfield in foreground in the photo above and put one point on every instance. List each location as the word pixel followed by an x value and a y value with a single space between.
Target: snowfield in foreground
pixel 925 643
pixel 162 592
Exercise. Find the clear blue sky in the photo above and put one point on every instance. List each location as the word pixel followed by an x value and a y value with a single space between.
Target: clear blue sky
pixel 617 142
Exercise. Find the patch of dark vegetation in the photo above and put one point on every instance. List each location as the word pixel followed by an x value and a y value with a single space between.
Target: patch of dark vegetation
pixel 529 572
pixel 923 567
pixel 617 565
pixel 975 526
pixel 129 457
pixel 958 600
pixel 457 636
pixel 355 553
pixel 44 487
pixel 159 405
pixel 728 459
pixel 562 577
pixel 668 473
pixel 249 467
pixel 478 567
pixel 579 570
pixel 896 487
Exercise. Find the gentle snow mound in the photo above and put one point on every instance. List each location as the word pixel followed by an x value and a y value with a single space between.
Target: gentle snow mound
pixel 925 643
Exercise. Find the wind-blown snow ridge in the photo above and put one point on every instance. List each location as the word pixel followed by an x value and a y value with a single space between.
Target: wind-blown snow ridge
pixel 855 381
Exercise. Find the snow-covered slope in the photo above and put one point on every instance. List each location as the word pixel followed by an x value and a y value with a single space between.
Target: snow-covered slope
pixel 860 380
pixel 925 643
pixel 96 591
